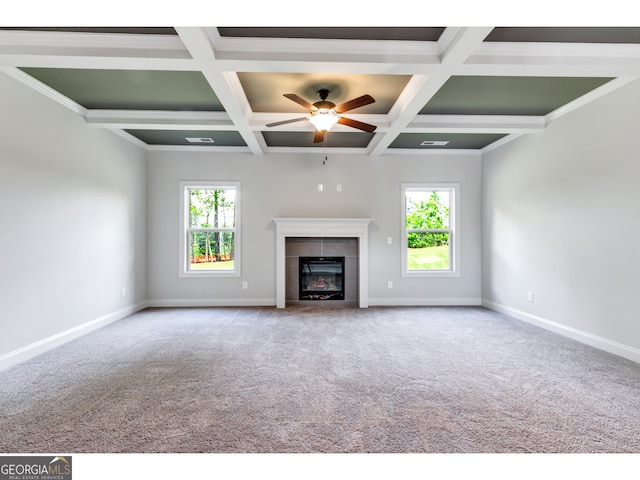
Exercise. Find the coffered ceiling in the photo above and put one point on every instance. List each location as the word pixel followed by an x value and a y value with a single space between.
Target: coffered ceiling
pixel 436 89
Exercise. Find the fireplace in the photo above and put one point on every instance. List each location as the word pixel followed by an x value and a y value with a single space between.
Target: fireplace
pixel 321 278
pixel 325 228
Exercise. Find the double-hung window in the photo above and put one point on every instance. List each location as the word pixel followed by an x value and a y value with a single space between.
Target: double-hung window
pixel 430 244
pixel 209 229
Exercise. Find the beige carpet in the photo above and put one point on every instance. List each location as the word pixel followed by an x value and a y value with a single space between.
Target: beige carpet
pixel 321 380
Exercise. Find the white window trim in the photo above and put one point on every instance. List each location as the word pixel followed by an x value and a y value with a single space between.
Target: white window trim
pixel 454 222
pixel 183 250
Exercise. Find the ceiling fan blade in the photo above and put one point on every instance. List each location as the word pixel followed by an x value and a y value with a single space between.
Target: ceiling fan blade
pixel 318 136
pixel 355 103
pixel 284 122
pixel 300 101
pixel 350 122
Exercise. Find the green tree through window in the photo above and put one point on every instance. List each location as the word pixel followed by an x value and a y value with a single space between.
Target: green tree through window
pixel 211 215
pixel 210 228
pixel 428 229
pixel 430 214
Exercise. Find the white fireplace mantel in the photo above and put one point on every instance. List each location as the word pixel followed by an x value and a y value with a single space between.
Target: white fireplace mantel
pixel 323 227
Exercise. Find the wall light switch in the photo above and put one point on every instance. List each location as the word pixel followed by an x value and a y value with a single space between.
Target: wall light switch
pixel 530 296
pixel 320 187
pixel 389 240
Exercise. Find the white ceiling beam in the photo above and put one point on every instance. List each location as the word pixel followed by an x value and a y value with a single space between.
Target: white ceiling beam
pixel 476 124
pixel 548 50
pixel 588 97
pixel 98 63
pixel 291 50
pixel 93 50
pixel 91 44
pixel 458 43
pixel 159 120
pixel 225 84
pixel 415 95
pixel 46 90
pixel 542 67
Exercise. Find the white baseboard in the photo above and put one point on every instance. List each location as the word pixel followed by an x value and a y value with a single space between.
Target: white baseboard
pixel 423 302
pixel 587 338
pixel 25 353
pixel 211 302
pixel 271 302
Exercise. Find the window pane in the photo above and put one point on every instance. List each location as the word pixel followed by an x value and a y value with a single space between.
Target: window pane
pixel 212 208
pixel 428 251
pixel 211 251
pixel 427 209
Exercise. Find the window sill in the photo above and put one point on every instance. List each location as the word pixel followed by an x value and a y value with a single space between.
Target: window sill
pixel 209 274
pixel 429 273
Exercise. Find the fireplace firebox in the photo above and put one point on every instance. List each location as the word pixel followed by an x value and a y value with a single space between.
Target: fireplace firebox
pixel 321 278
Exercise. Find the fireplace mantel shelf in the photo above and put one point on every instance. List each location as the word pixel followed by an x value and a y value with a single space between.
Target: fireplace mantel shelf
pixel 323 227
pixel 309 227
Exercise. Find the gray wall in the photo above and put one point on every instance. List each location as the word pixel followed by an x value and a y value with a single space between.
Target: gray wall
pixel 285 185
pixel 560 219
pixel 72 210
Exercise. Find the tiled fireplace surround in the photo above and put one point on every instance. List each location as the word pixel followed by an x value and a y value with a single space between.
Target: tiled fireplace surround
pixel 348 237
pixel 296 247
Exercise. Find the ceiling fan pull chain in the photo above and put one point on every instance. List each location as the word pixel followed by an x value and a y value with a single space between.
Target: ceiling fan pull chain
pixel 324 144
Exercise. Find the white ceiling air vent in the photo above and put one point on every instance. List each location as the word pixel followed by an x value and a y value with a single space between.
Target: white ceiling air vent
pixel 434 143
pixel 199 140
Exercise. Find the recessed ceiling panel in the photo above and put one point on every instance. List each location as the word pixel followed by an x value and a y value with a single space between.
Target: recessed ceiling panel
pixel 305 139
pixel 131 89
pixel 565 34
pixel 424 34
pixel 487 95
pixel 190 137
pixel 265 90
pixel 445 141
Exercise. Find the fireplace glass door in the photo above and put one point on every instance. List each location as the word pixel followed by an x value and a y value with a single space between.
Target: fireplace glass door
pixel 321 278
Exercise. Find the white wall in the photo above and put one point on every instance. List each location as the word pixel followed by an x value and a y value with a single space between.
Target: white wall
pixel 285 185
pixel 561 213
pixel 72 229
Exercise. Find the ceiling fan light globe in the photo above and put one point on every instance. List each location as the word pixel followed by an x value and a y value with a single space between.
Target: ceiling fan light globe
pixel 324 120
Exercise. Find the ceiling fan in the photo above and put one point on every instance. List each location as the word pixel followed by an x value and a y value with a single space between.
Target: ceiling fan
pixel 325 114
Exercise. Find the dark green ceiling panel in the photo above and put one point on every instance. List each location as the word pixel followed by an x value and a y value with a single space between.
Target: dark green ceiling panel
pixel 179 137
pixel 305 139
pixel 463 141
pixel 565 34
pixel 424 34
pixel 131 89
pixel 487 95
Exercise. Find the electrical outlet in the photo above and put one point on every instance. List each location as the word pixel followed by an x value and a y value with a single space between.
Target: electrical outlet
pixel 123 292
pixel 530 296
pixel 389 240
pixel 338 187
pixel 320 187
pixel 245 285
pixel 389 284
